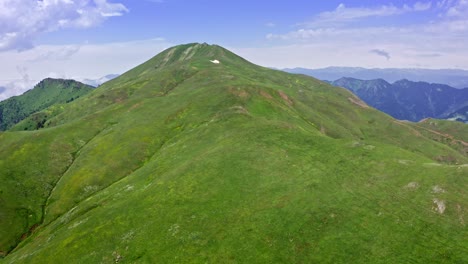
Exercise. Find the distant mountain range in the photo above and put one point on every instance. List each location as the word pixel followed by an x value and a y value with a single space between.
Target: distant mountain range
pixel 460 115
pixel 46 93
pixel 407 100
pixel 453 77
pixel 98 82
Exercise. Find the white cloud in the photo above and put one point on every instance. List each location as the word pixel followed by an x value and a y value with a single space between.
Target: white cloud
pixel 22 21
pixel 340 20
pixel 420 6
pixel 325 54
pixel 18 86
pixel 453 18
pixel 335 39
pixel 60 53
pixel 459 9
pixel 88 61
pixel 342 14
pixel 339 34
pixel 444 3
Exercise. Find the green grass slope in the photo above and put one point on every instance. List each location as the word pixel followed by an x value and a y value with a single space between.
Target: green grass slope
pixel 46 93
pixel 185 160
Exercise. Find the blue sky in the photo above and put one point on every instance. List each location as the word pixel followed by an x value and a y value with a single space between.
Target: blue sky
pixel 90 38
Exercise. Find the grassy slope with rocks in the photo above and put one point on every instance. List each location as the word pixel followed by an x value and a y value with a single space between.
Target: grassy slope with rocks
pixel 184 160
pixel 46 93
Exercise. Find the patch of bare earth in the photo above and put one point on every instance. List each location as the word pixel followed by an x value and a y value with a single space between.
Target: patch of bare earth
pixel 168 57
pixel 265 94
pixel 447 136
pixel 413 131
pixel 358 102
pixel 239 92
pixel 135 106
pixel 285 97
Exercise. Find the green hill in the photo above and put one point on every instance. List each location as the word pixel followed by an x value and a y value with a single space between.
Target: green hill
pixel 184 159
pixel 46 93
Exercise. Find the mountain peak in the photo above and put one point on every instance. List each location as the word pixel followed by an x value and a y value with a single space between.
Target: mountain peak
pixel 49 80
pixel 45 94
pixel 187 52
pixel 199 54
pixel 188 58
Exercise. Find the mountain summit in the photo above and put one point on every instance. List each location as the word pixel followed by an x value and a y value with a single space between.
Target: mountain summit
pixel 45 94
pixel 198 155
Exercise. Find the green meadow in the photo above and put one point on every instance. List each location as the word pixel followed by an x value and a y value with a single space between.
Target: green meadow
pixel 182 160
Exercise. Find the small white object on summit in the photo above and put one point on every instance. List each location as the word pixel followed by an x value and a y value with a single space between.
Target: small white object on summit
pixel 215 61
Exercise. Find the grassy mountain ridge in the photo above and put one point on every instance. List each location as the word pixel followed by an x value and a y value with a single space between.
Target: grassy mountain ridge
pixel 45 94
pixel 230 162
